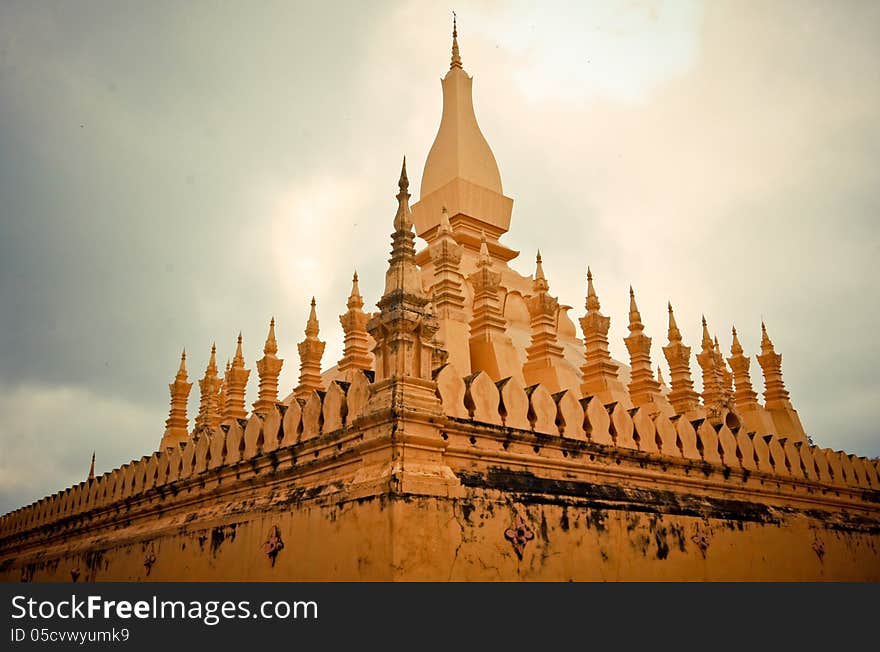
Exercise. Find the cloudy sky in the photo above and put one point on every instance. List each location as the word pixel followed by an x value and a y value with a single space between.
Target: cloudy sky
pixel 172 173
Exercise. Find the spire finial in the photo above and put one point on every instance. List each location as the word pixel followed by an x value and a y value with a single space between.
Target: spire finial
pixel 238 358
pixel 735 346
pixel 402 217
pixel 271 346
pixel 484 249
pixel 212 361
pixel 766 344
pixel 592 297
pixel 312 323
pixel 635 318
pixel 707 341
pixel 92 467
pixel 539 267
pixel 674 334
pixel 403 182
pixel 181 370
pixel 445 226
pixel 355 300
pixel 456 57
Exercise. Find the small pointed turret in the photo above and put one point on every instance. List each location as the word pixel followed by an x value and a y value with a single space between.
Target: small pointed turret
pixel 311 349
pixel 268 369
pixel 92 468
pixel 209 386
pixel 682 395
pixel 713 388
pixel 745 398
pixel 599 372
pixel 660 377
pixel 222 395
pixel 236 386
pixel 545 361
pixel 356 348
pixel 726 375
pixel 644 390
pixel 776 397
pixel 775 393
pixel 176 425
pixel 491 349
pixel 447 285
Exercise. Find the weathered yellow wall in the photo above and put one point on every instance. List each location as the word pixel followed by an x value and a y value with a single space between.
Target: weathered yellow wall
pixel 464 539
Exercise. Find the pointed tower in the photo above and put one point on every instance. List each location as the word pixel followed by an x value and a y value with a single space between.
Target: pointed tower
pixel 404 329
pixel 682 396
pixel 461 173
pixel 222 396
pixel 776 399
pixel 599 371
pixel 753 415
pixel 236 385
pixel 713 394
pixel 447 295
pixel 311 349
pixel 268 369
pixel 176 425
pixel 356 349
pixel 644 390
pixel 545 362
pixel 92 467
pixel 209 387
pixel 726 375
pixel 491 349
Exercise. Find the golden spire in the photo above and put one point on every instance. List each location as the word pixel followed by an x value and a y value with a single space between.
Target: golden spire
pixel 707 341
pixel 775 394
pixel 660 377
pixel 268 368
pixel 447 284
pixel 713 389
pixel 456 57
pixel 745 399
pixel 599 372
pixel 488 316
pixel 592 303
pixel 735 346
pixel 674 334
pixel 176 425
pixel 92 467
pixel 544 356
pixel 445 226
pixel 635 318
pixel 222 396
pixel 766 344
pixel 682 395
pixel 403 275
pixel 726 375
pixel 643 386
pixel 484 258
pixel 356 350
pixel 209 385
pixel 540 284
pixel 311 349
pixel 405 328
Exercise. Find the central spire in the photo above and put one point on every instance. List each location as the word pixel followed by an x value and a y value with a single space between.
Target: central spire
pixel 461 172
